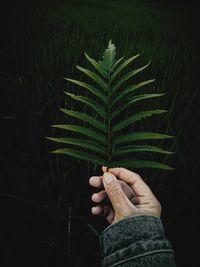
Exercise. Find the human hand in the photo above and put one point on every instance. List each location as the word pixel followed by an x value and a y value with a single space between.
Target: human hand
pixel 129 196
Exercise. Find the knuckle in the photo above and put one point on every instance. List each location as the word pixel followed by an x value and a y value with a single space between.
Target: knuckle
pixel 115 190
pixel 122 182
pixel 137 176
pixel 159 205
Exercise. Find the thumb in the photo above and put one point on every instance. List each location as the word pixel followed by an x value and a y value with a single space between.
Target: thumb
pixel 115 193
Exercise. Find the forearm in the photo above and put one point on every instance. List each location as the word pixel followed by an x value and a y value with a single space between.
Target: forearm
pixel 136 241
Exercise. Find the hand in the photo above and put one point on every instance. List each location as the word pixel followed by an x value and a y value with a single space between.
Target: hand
pixel 129 196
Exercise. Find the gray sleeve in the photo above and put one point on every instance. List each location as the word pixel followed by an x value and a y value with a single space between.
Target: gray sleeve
pixel 136 241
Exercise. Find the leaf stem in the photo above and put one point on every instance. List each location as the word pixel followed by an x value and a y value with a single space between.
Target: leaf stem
pixel 109 120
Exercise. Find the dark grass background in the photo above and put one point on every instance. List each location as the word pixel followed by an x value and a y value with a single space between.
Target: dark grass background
pixel 45 199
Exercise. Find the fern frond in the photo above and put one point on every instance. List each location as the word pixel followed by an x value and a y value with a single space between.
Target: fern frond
pixel 107 142
pixel 122 66
pixel 117 63
pixel 109 58
pixel 136 117
pixel 127 76
pixel 133 100
pixel 86 118
pixel 96 65
pixel 95 77
pixel 92 145
pixel 91 88
pixel 138 136
pixel 80 155
pixel 90 102
pixel 131 89
pixel 141 164
pixel 82 130
pixel 140 148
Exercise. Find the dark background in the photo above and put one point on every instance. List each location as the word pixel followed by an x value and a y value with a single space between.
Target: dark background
pixel 45 199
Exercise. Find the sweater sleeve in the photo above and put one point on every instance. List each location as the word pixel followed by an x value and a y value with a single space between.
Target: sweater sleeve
pixel 136 241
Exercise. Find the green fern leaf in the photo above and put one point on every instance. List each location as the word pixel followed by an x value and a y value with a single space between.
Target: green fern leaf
pixel 129 90
pixel 96 65
pixel 141 164
pixel 122 66
pixel 133 100
pixel 117 63
pixel 139 148
pixel 138 136
pixel 85 131
pixel 87 118
pixel 92 145
pixel 95 77
pixel 106 141
pixel 88 101
pixel 109 58
pixel 92 89
pixel 80 155
pixel 127 76
pixel 136 117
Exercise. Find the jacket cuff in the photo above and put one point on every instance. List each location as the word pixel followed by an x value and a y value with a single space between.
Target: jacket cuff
pixel 133 237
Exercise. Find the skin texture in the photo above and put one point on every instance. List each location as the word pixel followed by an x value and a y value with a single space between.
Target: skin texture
pixel 127 194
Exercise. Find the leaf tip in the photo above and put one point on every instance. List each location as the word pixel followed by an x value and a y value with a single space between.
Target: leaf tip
pixel 171 168
pixel 53 152
pixel 67 79
pixel 149 62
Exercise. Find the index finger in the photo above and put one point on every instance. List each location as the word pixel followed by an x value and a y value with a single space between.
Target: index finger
pixel 96 181
pixel 134 180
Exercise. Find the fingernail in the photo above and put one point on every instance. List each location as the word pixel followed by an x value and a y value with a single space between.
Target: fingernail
pixel 108 178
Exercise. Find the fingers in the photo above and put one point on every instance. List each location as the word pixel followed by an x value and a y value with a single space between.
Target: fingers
pixel 97 210
pixel 111 215
pixel 99 197
pixel 104 211
pixel 118 198
pixel 139 187
pixel 129 196
pixel 96 181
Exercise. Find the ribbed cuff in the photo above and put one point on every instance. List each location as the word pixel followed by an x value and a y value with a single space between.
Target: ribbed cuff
pixel 133 237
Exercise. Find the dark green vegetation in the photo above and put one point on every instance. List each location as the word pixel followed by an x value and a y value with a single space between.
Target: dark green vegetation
pixel 112 99
pixel 40 45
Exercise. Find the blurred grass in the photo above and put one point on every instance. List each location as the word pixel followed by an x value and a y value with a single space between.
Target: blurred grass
pixel 43 43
